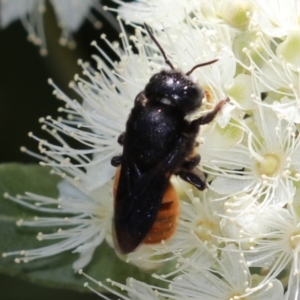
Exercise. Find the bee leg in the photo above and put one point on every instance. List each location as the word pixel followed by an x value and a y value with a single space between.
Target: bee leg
pixel 194 177
pixel 116 161
pixel 191 162
pixel 211 115
pixel 121 138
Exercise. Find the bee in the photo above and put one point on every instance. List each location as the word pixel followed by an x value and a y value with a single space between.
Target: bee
pixel 158 142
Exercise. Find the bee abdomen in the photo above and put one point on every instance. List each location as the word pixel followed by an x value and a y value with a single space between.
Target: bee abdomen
pixel 166 220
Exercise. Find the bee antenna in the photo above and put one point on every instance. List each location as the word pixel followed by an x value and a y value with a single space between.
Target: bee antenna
pixel 200 65
pixel 159 46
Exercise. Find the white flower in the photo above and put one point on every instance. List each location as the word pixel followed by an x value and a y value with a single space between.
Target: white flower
pixel 156 14
pixel 278 247
pixel 70 16
pixel 276 18
pixel 274 67
pixel 235 13
pixel 267 158
pixel 230 279
pixel 87 225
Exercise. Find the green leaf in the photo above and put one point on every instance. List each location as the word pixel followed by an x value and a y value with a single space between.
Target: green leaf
pixel 55 271
pixel 18 179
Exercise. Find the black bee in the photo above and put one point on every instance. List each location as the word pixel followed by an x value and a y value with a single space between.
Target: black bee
pixel 158 142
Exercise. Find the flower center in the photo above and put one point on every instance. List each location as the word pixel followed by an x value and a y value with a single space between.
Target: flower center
pixel 270 165
pixel 204 229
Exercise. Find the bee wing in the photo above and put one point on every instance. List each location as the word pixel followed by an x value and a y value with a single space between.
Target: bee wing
pixel 138 200
pixel 135 212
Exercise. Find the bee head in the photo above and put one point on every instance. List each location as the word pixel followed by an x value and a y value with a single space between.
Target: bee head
pixel 175 89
